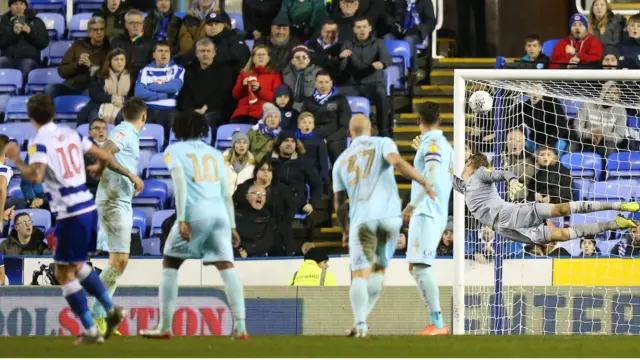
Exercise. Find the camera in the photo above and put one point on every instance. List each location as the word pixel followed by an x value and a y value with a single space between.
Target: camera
pixel 19 20
pixel 45 275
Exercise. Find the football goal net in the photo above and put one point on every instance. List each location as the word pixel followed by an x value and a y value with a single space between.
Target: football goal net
pixel 568 135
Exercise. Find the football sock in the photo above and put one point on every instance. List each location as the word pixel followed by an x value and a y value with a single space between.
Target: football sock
pixel 77 300
pixel 168 295
pixel 108 277
pixel 90 281
pixel 581 230
pixel 235 296
pixel 429 292
pixel 359 300
pixel 582 207
pixel 374 288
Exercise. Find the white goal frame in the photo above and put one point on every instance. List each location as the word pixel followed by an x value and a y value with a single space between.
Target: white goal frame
pixel 459 111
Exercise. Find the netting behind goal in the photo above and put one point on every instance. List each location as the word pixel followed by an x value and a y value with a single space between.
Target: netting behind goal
pixel 566 140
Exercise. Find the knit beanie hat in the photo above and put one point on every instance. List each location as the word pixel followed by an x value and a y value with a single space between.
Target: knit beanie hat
pixel 237 136
pixel 316 254
pixel 11 2
pixel 579 17
pixel 284 135
pixel 282 89
pixel 611 50
pixel 269 108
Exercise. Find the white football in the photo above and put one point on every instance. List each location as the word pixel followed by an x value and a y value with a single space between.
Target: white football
pixel 481 102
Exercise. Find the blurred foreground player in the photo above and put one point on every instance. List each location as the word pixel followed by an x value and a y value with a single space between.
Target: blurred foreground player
pixel 372 227
pixel 5 176
pixel 56 160
pixel 205 223
pixel 427 218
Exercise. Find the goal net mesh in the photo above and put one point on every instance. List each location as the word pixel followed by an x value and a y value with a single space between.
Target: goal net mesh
pixel 565 140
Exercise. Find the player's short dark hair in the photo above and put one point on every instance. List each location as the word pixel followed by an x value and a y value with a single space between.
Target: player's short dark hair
pixel 361 18
pixel 532 37
pixel 16 219
pixel 190 125
pixel 133 109
pixel 95 121
pixel 429 113
pixel 4 141
pixel 41 109
pixel 161 43
pixel 478 160
pixel 323 73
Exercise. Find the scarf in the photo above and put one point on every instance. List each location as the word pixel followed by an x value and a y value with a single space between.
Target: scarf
pixel 266 131
pixel 162 25
pixel 413 17
pixel 322 99
pixel 301 136
pixel 137 37
pixel 325 45
pixel 195 10
pixel 115 85
pixel 237 165
pixel 622 246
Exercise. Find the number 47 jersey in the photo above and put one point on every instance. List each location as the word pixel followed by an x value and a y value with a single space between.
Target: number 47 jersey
pixel 204 172
pixel 363 172
pixel 61 149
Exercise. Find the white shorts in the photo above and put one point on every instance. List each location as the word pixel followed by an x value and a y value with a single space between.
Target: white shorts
pixel 373 242
pixel 424 236
pixel 210 241
pixel 115 220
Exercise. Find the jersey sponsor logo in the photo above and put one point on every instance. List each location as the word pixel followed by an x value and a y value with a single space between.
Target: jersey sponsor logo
pixel 120 135
pixel 167 159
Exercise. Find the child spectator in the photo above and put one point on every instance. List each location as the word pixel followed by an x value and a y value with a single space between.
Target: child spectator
pixel 239 161
pixel 265 133
pixel 588 247
pixel 314 145
pixel 610 58
pixel 533 48
pixel 579 47
pixel 445 248
pixel 113 12
pixel 605 25
pixel 34 195
pixel 284 102
pixel 552 183
pixel 630 46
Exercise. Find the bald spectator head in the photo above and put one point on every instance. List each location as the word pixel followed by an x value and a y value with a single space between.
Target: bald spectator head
pixel 360 125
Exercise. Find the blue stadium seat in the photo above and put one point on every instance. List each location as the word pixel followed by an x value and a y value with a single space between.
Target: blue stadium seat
pixel 547 46
pixel 145 157
pixel 157 219
pixel 139 223
pixel 16 109
pixel 206 139
pixel 87 6
pixel 623 164
pixel 571 107
pixel 39 78
pixel 54 23
pixel 41 218
pixel 68 107
pixel 423 45
pixel 84 129
pixel 400 51
pixel 10 81
pixel 151 247
pixel 58 6
pixel 152 136
pixel 393 79
pixel 157 170
pixel 633 122
pixel 223 137
pixel 587 165
pixel 19 132
pixel 612 190
pixel 180 14
pixel 359 105
pixel 236 21
pixel 14 190
pixel 78 26
pixel 57 51
pixel 250 44
pixel 153 198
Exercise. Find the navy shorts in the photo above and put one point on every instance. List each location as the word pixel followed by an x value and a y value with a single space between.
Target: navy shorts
pixel 1 259
pixel 76 238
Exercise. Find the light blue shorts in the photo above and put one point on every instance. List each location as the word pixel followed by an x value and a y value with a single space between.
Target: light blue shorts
pixel 210 241
pixel 425 233
pixel 373 242
pixel 115 220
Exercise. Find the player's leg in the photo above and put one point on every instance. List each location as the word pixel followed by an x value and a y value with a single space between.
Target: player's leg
pixel 423 238
pixel 388 233
pixel 546 211
pixel 581 230
pixel 217 250
pixel 362 250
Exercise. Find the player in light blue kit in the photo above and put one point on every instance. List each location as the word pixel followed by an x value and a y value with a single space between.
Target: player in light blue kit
pixel 113 200
pixel 364 174
pixel 427 217
pixel 205 223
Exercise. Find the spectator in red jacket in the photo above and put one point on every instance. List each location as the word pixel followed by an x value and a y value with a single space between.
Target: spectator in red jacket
pixel 579 47
pixel 256 85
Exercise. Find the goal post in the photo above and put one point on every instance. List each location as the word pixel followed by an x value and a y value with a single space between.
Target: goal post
pixel 519 297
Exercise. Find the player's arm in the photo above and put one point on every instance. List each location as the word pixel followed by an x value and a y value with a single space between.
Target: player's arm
pixel 408 171
pixel 34 172
pixel 104 157
pixel 433 161
pixel 342 210
pixel 458 184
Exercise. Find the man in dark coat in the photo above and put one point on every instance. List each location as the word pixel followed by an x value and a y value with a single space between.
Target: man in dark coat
pixel 138 46
pixel 326 48
pixel 231 50
pixel 552 183
pixel 113 14
pixel 255 225
pixel 24 239
pixel 280 42
pixel 257 16
pixel 546 119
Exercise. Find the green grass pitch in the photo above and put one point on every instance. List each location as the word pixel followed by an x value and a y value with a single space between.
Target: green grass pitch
pixel 329 346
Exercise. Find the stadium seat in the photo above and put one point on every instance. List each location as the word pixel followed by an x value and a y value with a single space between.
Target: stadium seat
pixel 151 247
pixel 587 165
pixel 157 170
pixel 400 51
pixel 14 190
pixel 139 222
pixel 612 190
pixel 206 139
pixel 16 109
pixel 570 107
pixel 180 14
pixel 68 107
pixel 157 219
pixel 54 23
pixel 152 136
pixel 393 79
pixel 78 26
pixel 633 122
pixel 547 46
pixel 58 6
pixel 19 132
pixel 236 21
pixel 16 172
pixel 225 132
pixel 153 198
pixel 10 81
pixel 87 6
pixel 623 164
pixel 145 157
pixel 250 44
pixel 39 78
pixel 41 218
pixel 83 129
pixel 359 105
pixel 57 51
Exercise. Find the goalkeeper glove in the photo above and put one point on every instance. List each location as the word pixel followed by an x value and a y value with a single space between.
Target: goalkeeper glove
pixel 515 187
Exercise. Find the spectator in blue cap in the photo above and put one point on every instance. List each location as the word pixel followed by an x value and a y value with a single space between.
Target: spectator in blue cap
pixel 579 47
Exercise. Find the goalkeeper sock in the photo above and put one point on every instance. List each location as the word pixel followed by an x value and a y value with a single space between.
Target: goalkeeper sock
pixel 235 296
pixel 429 292
pixel 359 300
pixel 582 207
pixel 109 278
pixel 582 230
pixel 90 281
pixel 77 300
pixel 168 295
pixel 374 288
